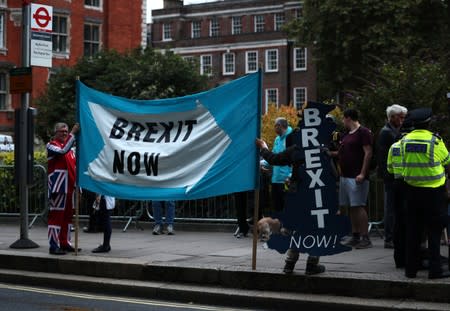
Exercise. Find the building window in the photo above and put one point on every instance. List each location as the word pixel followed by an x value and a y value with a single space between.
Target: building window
pixel 300 97
pixel 299 59
pixel 3 4
pixel 2 29
pixel 236 25
pixel 259 23
pixel 271 60
pixel 192 60
pixel 3 91
pixel 251 61
pixel 272 97
pixel 228 64
pixel 91 39
pixel 94 3
pixel 206 65
pixel 60 34
pixel 214 27
pixel 298 13
pixel 196 29
pixel 278 21
pixel 167 32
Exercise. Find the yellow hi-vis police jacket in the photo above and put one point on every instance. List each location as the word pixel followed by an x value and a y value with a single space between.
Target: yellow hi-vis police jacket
pixel 424 157
pixel 395 160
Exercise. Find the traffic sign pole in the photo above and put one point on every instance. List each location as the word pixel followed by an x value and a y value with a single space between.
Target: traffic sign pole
pixel 21 166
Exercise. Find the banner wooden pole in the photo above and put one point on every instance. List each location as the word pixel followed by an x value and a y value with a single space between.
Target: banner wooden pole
pixel 77 209
pixel 255 228
pixel 77 189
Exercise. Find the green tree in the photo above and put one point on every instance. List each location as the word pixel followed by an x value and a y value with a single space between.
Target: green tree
pixel 349 37
pixel 414 83
pixel 138 74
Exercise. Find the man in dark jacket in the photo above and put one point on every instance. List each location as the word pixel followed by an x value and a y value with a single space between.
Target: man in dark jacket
pixel 388 135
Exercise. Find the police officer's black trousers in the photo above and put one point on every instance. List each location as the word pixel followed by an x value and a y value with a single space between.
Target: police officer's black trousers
pixel 425 209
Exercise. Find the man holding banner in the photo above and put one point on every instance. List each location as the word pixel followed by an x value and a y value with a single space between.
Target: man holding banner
pixel 287 157
pixel 61 185
pixel 309 221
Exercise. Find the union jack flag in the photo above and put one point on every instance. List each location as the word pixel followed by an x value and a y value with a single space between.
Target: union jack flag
pixel 53 236
pixel 57 201
pixel 57 182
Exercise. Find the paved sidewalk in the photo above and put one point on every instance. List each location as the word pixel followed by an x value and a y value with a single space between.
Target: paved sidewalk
pixel 208 249
pixel 212 267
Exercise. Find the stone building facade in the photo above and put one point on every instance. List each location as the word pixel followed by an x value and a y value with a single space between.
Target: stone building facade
pixel 231 38
pixel 80 28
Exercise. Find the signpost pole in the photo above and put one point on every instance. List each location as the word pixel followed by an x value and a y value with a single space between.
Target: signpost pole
pixel 24 241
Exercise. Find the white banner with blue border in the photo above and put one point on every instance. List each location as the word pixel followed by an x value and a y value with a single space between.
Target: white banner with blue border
pixel 184 148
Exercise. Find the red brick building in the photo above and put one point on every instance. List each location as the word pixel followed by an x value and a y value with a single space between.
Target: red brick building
pixel 231 38
pixel 80 28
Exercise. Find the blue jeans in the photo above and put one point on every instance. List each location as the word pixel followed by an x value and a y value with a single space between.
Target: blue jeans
pixel 157 211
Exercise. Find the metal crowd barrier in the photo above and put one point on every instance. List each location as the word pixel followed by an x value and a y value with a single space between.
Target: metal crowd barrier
pixel 9 197
pixel 219 209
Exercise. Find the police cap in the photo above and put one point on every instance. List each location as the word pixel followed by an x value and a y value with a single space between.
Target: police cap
pixel 419 116
pixel 407 125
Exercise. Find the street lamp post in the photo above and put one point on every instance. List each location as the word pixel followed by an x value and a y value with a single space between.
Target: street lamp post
pixel 22 165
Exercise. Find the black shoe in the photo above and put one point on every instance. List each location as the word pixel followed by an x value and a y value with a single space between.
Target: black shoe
pixel 102 249
pixel 312 269
pixel 70 249
pixel 289 267
pixel 389 244
pixel 56 251
pixel 239 234
pixel 440 275
pixel 410 275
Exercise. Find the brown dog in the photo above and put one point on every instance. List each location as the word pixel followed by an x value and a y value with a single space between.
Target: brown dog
pixel 268 225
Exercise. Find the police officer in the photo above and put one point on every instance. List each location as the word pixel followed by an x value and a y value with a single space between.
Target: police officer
pixel 424 159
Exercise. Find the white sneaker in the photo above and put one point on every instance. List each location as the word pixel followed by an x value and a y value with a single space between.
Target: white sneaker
pixel 157 230
pixel 170 230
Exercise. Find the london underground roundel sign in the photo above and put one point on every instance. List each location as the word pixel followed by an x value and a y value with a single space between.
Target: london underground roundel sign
pixel 41 17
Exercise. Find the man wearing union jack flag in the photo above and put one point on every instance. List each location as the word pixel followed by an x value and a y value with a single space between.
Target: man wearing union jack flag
pixel 61 185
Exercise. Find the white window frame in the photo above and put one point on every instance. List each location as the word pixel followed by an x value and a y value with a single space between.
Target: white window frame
pixel 91 41
pixel 229 64
pixel 202 65
pixel 298 14
pixel 189 58
pixel 167 32
pixel 214 27
pixel 2 29
pixel 94 7
pixel 236 25
pixel 279 20
pixel 3 4
pixel 259 25
pixel 196 29
pixel 268 95
pixel 61 35
pixel 247 62
pixel 297 103
pixel 4 92
pixel 268 61
pixel 297 59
